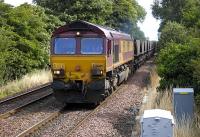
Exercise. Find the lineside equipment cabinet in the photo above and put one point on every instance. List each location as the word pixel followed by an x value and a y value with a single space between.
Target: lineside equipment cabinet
pixel 183 102
pixel 157 123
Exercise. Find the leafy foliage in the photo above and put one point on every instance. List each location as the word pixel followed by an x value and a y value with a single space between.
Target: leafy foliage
pixel 173 32
pixel 168 9
pixel 70 10
pixel 24 34
pixel 191 14
pixel 174 65
pixel 179 57
pixel 25 30
pixel 182 11
pixel 125 15
pixel 119 14
pixel 79 9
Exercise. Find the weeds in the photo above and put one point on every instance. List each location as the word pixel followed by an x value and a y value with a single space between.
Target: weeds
pixel 31 80
pixel 163 100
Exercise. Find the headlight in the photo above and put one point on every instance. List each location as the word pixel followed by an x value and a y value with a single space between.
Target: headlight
pixel 57 72
pixel 97 72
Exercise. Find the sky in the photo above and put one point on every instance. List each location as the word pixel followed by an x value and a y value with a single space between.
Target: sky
pixel 17 2
pixel 149 26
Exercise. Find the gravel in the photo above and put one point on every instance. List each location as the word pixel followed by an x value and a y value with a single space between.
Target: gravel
pixel 116 119
pixel 28 116
pixel 4 107
pixel 65 122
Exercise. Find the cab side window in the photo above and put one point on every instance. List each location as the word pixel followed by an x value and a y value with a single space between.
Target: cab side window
pixel 109 48
pixel 135 47
pixel 116 51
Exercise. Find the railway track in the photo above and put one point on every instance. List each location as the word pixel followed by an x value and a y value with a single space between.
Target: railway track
pixel 31 130
pixel 40 124
pixel 56 114
pixel 18 102
pixel 93 112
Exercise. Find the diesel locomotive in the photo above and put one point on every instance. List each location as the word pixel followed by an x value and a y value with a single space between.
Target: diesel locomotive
pixel 89 61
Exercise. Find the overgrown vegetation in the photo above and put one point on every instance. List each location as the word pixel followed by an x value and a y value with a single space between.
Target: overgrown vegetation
pixel 25 30
pixel 24 40
pixel 119 14
pixel 163 100
pixel 179 57
pixel 28 81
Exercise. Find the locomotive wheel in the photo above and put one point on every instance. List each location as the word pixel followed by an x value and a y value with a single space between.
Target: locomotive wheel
pixel 111 90
pixel 97 103
pixel 107 93
pixel 115 83
pixel 114 88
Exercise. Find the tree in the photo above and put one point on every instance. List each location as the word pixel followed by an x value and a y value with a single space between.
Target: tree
pixel 195 64
pixel 168 9
pixel 95 11
pixel 182 11
pixel 119 14
pixel 174 65
pixel 191 17
pixel 25 33
pixel 125 15
pixel 179 57
pixel 173 32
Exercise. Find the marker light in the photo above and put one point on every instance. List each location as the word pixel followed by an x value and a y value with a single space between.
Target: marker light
pixel 77 33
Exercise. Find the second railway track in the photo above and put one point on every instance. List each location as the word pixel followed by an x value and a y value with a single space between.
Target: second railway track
pixel 28 116
pixel 44 120
pixel 13 104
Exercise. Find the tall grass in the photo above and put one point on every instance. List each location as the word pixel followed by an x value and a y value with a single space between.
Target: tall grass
pixel 31 80
pixel 183 128
pixel 163 100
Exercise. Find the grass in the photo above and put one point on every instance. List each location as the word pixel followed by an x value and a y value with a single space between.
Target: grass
pixel 163 100
pixel 31 80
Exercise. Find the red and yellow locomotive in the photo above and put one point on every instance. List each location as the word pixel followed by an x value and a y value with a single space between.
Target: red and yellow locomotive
pixel 88 61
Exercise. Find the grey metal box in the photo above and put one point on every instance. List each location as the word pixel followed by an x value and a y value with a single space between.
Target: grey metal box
pixel 157 123
pixel 183 102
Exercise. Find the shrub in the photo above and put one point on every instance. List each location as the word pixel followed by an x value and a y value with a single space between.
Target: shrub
pixel 174 65
pixel 24 39
pixel 173 32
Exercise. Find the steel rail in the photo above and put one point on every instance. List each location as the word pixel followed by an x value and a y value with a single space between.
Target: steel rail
pixel 29 91
pixel 93 112
pixel 40 124
pixel 58 113
pixel 13 111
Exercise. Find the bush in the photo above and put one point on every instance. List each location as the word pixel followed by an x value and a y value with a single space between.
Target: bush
pixel 174 65
pixel 25 33
pixel 173 32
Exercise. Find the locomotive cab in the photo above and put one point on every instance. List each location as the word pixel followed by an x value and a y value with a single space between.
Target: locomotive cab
pixel 87 62
pixel 78 64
